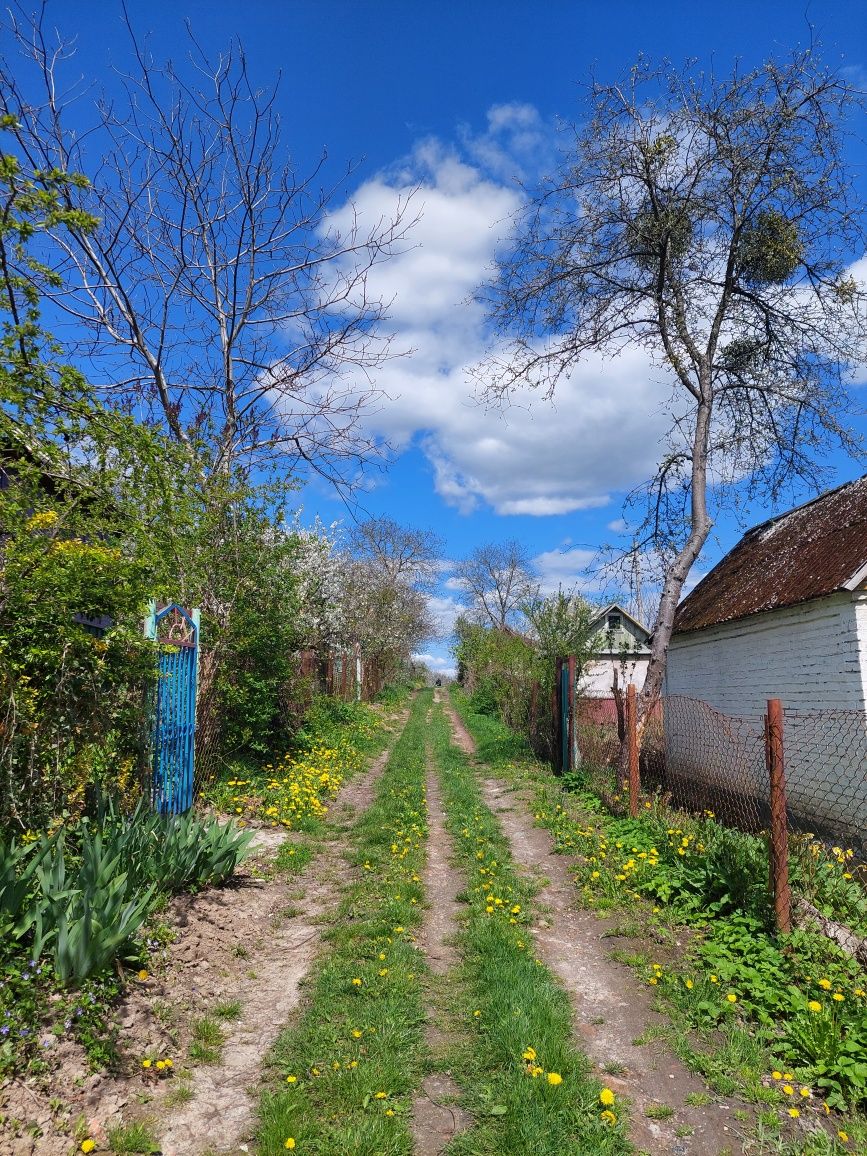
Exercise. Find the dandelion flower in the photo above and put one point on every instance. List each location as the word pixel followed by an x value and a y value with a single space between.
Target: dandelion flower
pixel 844 1136
pixel 146 1063
pixel 794 1113
pixel 804 1091
pixel 380 1095
pixel 88 1145
pixel 142 975
pixel 731 997
pixel 290 1143
pixel 776 1075
pixel 356 1034
pixel 788 1089
pixel 606 1097
pixel 356 982
pixel 554 1078
pixel 529 1054
pixel 608 1117
pixel 814 1005
pixel 291 1079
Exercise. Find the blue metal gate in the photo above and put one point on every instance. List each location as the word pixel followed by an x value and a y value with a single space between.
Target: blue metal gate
pixel 176 632
pixel 565 718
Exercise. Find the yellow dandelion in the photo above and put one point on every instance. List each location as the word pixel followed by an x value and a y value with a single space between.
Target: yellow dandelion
pixel 554 1078
pixel 606 1097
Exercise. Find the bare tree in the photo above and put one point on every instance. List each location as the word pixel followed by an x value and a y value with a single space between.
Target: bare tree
pixel 223 295
pixel 497 580
pixel 709 220
pixel 402 553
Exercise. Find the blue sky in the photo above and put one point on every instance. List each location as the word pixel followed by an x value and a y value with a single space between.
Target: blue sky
pixel 460 98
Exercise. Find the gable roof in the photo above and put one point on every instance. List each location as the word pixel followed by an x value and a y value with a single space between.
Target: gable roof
pixel 813 550
pixel 616 608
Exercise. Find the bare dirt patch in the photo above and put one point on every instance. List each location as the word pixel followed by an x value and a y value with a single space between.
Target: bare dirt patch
pixel 611 1009
pixel 250 941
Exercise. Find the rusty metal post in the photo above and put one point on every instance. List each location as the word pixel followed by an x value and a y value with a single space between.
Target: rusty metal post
pixel 632 733
pixel 779 844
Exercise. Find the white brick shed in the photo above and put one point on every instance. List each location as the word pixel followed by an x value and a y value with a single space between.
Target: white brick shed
pixel 784 615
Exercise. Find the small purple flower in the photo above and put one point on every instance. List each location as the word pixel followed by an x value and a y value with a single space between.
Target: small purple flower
pixel 4 1031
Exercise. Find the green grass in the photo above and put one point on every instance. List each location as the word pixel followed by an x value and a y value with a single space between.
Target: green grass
pixel 658 1112
pixel 228 1010
pixel 132 1138
pixel 292 858
pixel 509 1004
pixel 207 1042
pixel 733 1046
pixel 358 1050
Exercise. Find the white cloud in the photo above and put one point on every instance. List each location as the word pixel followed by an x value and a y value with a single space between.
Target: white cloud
pixel 438 663
pixel 618 526
pixel 444 611
pixel 569 569
pixel 599 435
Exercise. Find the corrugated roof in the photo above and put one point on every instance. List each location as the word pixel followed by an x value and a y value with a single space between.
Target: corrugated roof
pixel 806 553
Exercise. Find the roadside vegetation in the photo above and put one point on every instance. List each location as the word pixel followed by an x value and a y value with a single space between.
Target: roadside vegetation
pixel 345 1073
pixel 780 1021
pixel 524 1081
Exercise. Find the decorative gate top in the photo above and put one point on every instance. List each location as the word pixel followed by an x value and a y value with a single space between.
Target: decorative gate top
pixel 175 627
pixel 176 632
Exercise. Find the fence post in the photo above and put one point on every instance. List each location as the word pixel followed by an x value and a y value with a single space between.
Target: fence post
pixel 571 693
pixel 558 720
pixel 779 843
pixel 632 731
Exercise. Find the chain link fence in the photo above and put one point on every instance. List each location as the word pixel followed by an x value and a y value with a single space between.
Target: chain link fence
pixel 706 760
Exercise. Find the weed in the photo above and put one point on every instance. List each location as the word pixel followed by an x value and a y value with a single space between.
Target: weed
pixel 615 1068
pixel 228 1009
pixel 698 1099
pixel 207 1042
pixel 658 1112
pixel 181 1093
pixel 292 858
pixel 133 1138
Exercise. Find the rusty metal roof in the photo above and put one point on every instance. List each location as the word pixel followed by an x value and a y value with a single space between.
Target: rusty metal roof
pixel 806 553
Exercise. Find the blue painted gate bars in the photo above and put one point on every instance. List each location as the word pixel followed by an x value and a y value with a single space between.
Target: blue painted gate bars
pixel 176 632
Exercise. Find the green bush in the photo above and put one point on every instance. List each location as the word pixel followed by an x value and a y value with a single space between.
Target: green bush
pixel 81 906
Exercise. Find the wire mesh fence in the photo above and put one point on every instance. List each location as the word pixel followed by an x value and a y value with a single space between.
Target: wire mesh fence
pixel 706 760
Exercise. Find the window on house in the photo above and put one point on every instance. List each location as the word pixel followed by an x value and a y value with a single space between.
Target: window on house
pixel 614 622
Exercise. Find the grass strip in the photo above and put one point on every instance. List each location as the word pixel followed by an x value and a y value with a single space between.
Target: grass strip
pixel 526 1083
pixel 727 954
pixel 346 1072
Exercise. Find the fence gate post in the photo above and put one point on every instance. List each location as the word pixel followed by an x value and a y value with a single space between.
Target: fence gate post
pixel 571 732
pixel 779 842
pixel 632 732
pixel 558 717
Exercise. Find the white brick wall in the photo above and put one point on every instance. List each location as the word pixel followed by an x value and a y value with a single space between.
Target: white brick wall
pixel 809 656
pixel 813 657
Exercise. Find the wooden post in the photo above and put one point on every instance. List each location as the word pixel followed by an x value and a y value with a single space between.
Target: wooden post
pixel 779 843
pixel 632 729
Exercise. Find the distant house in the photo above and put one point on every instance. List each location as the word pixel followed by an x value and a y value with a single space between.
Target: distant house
pixel 783 615
pixel 623 646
